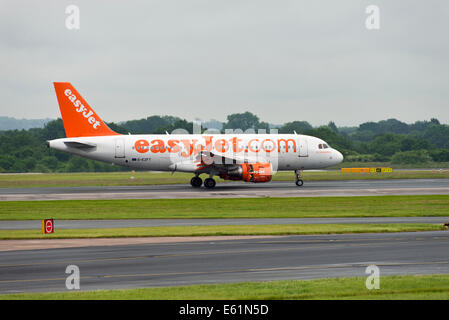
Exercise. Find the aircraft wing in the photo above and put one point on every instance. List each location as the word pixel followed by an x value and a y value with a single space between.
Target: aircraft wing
pixel 206 161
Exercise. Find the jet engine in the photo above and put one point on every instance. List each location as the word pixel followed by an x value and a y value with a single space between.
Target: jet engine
pixel 249 172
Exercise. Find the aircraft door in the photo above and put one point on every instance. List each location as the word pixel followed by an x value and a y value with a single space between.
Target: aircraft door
pixel 119 148
pixel 303 147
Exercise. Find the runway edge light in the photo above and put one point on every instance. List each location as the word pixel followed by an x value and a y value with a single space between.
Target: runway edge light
pixel 48 226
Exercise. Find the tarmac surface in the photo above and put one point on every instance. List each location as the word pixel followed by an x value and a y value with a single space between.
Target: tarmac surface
pixel 220 261
pixel 235 190
pixel 132 223
pixel 39 265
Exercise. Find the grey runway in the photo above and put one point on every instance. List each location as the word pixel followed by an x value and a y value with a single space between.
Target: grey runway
pixel 236 190
pixel 131 223
pixel 185 263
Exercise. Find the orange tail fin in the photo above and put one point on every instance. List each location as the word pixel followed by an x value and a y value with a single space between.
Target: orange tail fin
pixel 79 119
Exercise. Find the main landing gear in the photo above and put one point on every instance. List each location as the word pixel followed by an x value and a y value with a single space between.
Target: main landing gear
pixel 209 183
pixel 299 181
pixel 196 182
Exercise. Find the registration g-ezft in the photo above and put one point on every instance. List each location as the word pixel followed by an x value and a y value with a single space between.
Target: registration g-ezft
pixel 243 309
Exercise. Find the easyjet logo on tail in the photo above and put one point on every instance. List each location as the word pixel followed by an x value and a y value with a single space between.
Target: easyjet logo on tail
pixel 80 119
pixel 80 108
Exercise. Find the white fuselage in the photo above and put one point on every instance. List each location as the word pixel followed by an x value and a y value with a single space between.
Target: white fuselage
pixel 180 152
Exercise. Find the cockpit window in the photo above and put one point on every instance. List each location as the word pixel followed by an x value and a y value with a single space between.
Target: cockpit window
pixel 320 146
pixel 325 146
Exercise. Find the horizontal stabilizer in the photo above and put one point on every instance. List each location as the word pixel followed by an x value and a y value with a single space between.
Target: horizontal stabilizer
pixel 79 144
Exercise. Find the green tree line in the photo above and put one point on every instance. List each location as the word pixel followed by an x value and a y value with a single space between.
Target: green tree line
pixel 384 141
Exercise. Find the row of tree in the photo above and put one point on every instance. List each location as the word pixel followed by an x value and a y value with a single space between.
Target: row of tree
pixel 384 141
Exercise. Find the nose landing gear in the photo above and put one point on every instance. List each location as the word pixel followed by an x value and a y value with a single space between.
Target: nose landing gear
pixel 299 181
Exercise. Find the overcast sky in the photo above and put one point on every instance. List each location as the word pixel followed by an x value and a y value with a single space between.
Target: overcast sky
pixel 282 60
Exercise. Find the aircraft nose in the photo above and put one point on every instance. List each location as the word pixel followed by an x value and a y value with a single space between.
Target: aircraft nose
pixel 338 156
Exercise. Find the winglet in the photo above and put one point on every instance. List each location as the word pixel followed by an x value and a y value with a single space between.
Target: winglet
pixel 79 119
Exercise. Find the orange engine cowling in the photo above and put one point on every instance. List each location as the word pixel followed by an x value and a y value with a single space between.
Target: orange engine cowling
pixel 250 172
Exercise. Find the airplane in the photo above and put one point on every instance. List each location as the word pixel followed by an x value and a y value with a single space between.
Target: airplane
pixel 245 157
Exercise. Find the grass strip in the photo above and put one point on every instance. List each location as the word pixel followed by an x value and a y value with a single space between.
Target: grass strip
pixel 391 287
pixel 155 178
pixel 301 207
pixel 178 231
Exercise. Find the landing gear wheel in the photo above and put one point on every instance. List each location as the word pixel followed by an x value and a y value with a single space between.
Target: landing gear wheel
pixel 209 183
pixel 299 181
pixel 196 182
